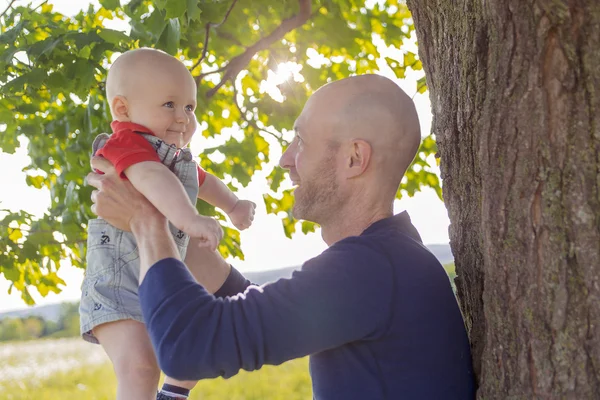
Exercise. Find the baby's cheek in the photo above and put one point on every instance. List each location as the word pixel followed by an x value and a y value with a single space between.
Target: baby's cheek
pixel 192 126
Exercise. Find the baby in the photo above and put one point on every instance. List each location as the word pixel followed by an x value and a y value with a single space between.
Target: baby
pixel 152 98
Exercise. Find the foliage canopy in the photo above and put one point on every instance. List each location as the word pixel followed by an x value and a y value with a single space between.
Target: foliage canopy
pixel 52 69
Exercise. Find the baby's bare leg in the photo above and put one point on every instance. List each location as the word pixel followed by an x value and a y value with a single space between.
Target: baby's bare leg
pixel 129 348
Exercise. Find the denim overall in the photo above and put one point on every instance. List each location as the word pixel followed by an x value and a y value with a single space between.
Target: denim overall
pixel 110 286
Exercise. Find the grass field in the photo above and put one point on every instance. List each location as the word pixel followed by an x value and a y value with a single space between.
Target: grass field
pixel 72 369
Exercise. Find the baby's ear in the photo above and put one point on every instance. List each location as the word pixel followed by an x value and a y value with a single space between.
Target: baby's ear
pixel 120 109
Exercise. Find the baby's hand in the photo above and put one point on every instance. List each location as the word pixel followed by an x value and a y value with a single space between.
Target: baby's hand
pixel 207 230
pixel 242 214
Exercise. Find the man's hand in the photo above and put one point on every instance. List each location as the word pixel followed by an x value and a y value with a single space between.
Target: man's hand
pixel 207 230
pixel 116 200
pixel 242 214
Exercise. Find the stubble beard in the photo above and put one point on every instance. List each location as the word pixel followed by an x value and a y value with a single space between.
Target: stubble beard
pixel 317 199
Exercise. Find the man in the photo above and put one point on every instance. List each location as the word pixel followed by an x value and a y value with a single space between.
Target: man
pixel 375 311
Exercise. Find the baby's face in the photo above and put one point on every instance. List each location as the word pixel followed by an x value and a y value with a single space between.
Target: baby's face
pixel 165 104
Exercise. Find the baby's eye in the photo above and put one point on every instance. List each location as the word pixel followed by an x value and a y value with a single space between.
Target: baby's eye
pixel 189 108
pixel 169 104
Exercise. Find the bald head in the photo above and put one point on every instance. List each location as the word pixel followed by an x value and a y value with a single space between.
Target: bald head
pixel 354 140
pixel 375 109
pixel 140 68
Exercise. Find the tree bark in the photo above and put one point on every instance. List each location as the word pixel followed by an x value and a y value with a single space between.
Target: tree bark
pixel 515 96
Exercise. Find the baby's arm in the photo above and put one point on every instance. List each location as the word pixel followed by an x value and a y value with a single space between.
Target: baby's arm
pixel 215 192
pixel 162 188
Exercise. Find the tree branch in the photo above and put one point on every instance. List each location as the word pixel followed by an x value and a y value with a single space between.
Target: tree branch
pixel 238 63
pixel 230 37
pixel 235 101
pixel 207 34
pixel 7 8
pixel 40 5
pixel 201 76
pixel 251 122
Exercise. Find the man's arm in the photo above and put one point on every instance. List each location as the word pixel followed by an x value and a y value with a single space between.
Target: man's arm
pixel 213 272
pixel 337 298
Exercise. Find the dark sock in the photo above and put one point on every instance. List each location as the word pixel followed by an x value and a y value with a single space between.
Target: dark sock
pixel 169 392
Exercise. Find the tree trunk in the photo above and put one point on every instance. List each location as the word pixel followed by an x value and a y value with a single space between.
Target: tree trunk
pixel 515 96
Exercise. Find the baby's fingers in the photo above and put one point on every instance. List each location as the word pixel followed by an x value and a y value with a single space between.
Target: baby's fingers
pixel 202 242
pixel 214 242
pixel 219 234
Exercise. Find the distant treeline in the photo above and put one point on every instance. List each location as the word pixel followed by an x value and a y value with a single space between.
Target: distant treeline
pixel 34 327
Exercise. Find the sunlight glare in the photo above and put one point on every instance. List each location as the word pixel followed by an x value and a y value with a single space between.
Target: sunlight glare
pixel 285 72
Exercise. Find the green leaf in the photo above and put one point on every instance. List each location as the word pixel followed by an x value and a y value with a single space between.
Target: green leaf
pixel 8 55
pixel 41 48
pixel 10 35
pixel 57 80
pixel 35 181
pixel 175 8
pixel 421 85
pixel 409 58
pixel 399 70
pixel 161 4
pixel 33 79
pixel 12 274
pixel 193 11
pixel 14 234
pixel 83 39
pixel 169 40
pixel 113 36
pixel 26 296
pixel 87 119
pixel 85 52
pixel 308 227
pixel 71 195
pixel 275 178
pixel 110 4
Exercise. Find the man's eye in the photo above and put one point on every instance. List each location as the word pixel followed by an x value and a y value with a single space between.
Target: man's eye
pixel 169 104
pixel 189 108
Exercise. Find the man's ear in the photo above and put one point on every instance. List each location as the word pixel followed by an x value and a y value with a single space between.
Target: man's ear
pixel 358 159
pixel 120 109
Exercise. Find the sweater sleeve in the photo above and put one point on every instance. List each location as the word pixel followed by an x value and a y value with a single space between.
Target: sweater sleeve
pixel 341 296
pixel 234 284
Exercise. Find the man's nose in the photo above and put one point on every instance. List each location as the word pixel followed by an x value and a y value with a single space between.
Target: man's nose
pixel 287 158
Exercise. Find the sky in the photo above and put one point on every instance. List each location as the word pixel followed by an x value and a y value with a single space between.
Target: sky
pixel 264 244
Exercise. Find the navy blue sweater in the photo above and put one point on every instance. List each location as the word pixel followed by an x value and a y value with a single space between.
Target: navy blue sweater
pixel 375 312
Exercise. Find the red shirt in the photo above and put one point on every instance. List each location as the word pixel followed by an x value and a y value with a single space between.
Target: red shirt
pixel 126 148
